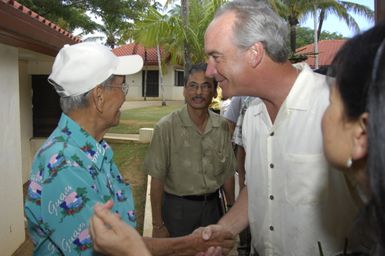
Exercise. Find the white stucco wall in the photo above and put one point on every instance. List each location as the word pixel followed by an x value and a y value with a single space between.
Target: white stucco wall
pixel 171 92
pixel 135 86
pixel 11 194
pixel 25 118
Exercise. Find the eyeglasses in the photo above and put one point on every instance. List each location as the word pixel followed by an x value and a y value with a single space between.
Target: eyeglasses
pixel 124 87
pixel 204 87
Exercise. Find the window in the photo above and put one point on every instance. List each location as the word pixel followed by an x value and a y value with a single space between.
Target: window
pixel 179 77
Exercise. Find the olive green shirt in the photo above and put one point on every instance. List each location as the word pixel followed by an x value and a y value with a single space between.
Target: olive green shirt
pixel 187 162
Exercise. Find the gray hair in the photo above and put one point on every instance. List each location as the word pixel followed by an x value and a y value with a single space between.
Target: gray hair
pixel 257 22
pixel 71 103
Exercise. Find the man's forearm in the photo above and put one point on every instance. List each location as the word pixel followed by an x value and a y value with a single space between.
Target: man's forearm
pixel 215 237
pixel 182 246
pixel 229 189
pixel 156 201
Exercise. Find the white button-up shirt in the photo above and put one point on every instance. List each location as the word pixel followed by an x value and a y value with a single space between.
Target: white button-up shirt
pixel 295 198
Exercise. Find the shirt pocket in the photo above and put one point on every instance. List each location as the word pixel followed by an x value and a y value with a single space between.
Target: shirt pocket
pixel 307 178
pixel 219 161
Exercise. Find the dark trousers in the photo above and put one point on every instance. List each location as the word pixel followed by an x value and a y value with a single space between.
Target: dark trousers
pixel 244 243
pixel 182 216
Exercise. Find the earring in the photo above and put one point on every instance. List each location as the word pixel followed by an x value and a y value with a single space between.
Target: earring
pixel 349 162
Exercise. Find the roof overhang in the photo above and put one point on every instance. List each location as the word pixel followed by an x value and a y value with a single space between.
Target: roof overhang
pixel 20 27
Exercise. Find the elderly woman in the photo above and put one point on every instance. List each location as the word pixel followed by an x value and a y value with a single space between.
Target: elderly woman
pixel 74 168
pixel 353 128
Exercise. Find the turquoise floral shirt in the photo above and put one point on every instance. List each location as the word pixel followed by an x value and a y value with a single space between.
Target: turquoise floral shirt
pixel 70 173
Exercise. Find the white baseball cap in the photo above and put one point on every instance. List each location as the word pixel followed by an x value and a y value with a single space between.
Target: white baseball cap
pixel 81 67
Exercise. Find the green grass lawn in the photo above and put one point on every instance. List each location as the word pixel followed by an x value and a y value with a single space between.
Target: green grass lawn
pixel 133 119
pixel 129 159
pixel 129 156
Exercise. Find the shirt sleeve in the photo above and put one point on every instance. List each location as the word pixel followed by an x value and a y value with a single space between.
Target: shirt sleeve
pixel 233 109
pixel 237 136
pixel 157 156
pixel 231 164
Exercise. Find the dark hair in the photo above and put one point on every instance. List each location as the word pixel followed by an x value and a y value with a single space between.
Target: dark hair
pixel 376 141
pixel 353 67
pixel 199 67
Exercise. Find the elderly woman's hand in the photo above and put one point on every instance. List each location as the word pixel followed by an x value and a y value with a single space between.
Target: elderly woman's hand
pixel 112 236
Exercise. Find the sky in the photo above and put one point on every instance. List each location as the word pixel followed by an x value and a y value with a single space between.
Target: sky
pixel 333 24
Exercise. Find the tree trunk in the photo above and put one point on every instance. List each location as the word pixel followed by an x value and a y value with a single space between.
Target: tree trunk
pixel 145 75
pixel 160 75
pixel 293 36
pixel 321 21
pixel 185 18
pixel 293 33
pixel 315 37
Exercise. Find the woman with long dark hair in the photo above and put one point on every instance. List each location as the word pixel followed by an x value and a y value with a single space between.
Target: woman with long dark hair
pixel 354 126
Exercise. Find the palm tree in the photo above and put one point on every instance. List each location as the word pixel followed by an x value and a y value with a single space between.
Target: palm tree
pixel 185 21
pixel 295 10
pixel 359 9
pixel 341 9
pixel 173 32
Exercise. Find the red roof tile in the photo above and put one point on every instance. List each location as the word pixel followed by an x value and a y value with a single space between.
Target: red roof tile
pixel 149 55
pixel 39 18
pixel 327 50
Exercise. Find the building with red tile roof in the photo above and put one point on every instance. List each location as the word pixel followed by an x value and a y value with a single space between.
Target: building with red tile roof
pixel 149 55
pixel 148 83
pixel 327 49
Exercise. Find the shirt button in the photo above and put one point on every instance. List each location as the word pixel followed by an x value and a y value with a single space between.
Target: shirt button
pixel 271 197
pixel 271 228
pixel 272 134
pixel 271 166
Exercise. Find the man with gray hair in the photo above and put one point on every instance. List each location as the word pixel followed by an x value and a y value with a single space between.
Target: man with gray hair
pixel 293 201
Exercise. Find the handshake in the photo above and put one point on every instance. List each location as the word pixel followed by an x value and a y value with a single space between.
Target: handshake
pixel 112 236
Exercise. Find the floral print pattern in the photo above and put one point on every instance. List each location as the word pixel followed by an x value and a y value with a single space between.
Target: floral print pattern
pixel 70 173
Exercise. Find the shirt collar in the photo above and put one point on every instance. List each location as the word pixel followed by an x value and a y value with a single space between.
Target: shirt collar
pixel 300 94
pixel 95 151
pixel 299 97
pixel 213 121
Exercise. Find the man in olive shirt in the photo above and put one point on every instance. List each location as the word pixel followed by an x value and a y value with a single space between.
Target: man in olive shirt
pixel 189 159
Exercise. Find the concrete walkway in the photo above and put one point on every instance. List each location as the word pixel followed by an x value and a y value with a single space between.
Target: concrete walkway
pixel 138 104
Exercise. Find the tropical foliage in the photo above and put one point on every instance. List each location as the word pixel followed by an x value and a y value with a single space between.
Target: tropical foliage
pixel 305 36
pixel 180 31
pixel 296 10
pixel 175 33
pixel 116 16
pixel 67 14
pixel 177 36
